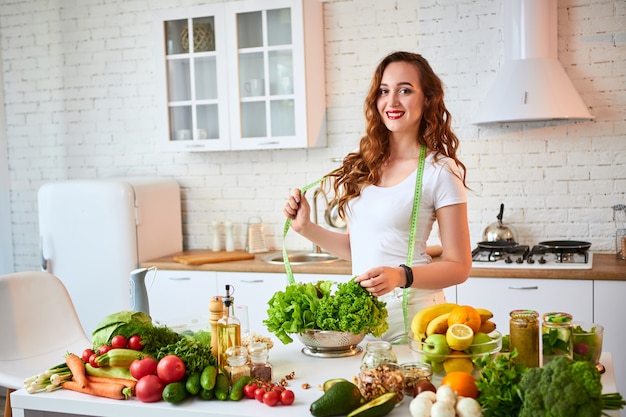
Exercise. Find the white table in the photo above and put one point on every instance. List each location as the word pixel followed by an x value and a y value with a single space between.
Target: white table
pixel 285 359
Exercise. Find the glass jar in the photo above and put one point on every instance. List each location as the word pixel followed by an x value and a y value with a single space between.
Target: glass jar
pixel 381 379
pixel 259 365
pixel 377 353
pixel 237 358
pixel 413 373
pixel 556 336
pixel 524 336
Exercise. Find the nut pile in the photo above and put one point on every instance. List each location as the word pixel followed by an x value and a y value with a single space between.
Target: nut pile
pixel 384 378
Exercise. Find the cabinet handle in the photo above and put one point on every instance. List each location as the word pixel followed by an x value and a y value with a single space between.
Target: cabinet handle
pixel 534 287
pixel 252 281
pixel 179 278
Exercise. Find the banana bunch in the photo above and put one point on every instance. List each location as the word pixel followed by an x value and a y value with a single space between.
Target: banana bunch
pixel 434 320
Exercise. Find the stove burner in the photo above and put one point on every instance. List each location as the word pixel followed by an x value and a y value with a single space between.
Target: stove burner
pixel 558 254
pixel 495 251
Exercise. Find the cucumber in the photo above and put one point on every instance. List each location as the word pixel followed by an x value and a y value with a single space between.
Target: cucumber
pixel 221 387
pixel 193 383
pixel 208 377
pixel 236 392
pixel 207 394
pixel 174 392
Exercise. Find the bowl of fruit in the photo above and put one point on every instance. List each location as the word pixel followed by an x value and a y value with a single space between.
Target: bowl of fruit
pixel 452 338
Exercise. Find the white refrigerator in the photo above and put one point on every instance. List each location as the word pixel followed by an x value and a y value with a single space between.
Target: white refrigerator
pixel 93 233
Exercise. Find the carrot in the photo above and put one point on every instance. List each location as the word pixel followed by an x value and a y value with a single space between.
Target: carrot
pixel 130 383
pixel 77 368
pixel 99 389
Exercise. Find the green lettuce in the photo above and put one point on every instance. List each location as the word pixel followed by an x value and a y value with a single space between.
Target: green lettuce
pixel 308 306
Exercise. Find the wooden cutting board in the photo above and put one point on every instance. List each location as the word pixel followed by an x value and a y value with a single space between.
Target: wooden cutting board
pixel 213 257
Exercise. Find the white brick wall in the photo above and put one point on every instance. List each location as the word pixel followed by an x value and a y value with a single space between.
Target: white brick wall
pixel 80 102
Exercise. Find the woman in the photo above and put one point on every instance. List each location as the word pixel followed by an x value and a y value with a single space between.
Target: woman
pixel 404 111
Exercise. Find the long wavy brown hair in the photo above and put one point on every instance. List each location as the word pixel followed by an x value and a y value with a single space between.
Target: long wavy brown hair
pixel 363 167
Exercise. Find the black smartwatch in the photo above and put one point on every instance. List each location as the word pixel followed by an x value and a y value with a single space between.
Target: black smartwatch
pixel 409 275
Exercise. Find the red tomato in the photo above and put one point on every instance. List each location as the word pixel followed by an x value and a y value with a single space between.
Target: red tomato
pixel 287 397
pixel 142 367
pixel 87 354
pixel 118 342
pixel 170 369
pixel 92 360
pixel 259 393
pixel 103 349
pixel 271 398
pixel 249 389
pixel 135 343
pixel 149 389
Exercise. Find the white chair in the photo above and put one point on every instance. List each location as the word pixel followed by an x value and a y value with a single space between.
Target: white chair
pixel 38 326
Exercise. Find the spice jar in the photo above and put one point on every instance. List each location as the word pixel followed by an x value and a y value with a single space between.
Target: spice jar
pixel 237 358
pixel 377 353
pixel 556 336
pixel 260 367
pixel 413 373
pixel 524 336
pixel 381 379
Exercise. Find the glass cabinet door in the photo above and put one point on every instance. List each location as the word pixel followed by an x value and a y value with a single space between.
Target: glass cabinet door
pixel 192 73
pixel 265 63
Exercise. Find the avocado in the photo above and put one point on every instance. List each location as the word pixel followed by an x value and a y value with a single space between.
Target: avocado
pixel 340 399
pixel 378 407
pixel 332 382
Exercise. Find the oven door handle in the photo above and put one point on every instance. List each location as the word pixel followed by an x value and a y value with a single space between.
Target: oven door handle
pixel 530 287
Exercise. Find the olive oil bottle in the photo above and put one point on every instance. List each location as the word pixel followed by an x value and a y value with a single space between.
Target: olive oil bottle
pixel 228 327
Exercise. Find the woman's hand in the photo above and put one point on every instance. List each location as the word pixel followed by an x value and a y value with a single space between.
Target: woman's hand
pixel 381 280
pixel 298 210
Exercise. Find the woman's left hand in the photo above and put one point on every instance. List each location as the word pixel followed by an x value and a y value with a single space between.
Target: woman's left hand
pixel 382 280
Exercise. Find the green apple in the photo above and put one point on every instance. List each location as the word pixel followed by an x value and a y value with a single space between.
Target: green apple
pixel 436 348
pixel 482 343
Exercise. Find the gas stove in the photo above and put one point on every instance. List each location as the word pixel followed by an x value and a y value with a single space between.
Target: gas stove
pixel 555 254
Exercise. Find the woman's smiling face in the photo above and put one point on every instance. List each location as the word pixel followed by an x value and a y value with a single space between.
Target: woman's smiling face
pixel 401 100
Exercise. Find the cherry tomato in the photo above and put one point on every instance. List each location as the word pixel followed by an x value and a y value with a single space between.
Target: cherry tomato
pixel 249 389
pixel 103 349
pixel 259 393
pixel 170 369
pixel 142 367
pixel 149 389
pixel 118 342
pixel 92 360
pixel 135 342
pixel 87 354
pixel 287 397
pixel 271 398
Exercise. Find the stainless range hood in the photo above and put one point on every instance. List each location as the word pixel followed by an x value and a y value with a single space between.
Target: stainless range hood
pixel 532 84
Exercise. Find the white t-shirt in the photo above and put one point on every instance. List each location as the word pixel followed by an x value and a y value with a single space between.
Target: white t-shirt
pixel 379 221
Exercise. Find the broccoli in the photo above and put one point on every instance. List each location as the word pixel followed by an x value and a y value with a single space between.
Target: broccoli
pixel 565 388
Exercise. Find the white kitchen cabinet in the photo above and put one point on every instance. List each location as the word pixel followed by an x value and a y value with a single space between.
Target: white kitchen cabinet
pixel 180 299
pixel 255 290
pixel 608 297
pixel 242 75
pixel 502 295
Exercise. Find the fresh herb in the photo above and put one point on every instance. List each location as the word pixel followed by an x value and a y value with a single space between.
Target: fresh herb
pixel 194 350
pixel 308 306
pixel 553 342
pixel 498 385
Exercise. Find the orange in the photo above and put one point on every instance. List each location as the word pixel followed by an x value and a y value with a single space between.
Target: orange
pixel 465 315
pixel 462 382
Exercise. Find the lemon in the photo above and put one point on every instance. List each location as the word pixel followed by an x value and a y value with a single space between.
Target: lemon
pixel 460 364
pixel 459 336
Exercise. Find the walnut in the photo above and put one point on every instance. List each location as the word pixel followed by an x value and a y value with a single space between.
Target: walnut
pixel 306 385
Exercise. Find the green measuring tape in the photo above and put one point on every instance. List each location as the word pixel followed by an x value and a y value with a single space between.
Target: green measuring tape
pixel 409 257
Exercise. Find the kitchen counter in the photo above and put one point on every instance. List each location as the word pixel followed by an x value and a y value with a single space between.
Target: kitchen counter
pixel 605 267
pixel 285 359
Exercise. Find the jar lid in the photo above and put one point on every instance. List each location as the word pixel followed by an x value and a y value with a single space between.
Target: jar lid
pixel 524 314
pixel 557 317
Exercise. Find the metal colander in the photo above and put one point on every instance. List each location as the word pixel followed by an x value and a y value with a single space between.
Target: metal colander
pixel 327 343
